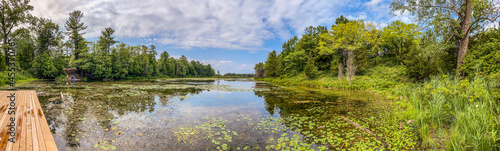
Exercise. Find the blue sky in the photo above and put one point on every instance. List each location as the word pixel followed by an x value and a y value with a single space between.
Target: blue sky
pixel 231 35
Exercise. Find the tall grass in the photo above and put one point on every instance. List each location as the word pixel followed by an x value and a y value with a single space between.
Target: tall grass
pixel 20 77
pixel 466 110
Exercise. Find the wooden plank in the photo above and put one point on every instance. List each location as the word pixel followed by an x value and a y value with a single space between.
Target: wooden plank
pixel 28 115
pixel 38 142
pixel 4 142
pixel 4 105
pixel 3 132
pixel 20 123
pixel 49 141
pixel 19 108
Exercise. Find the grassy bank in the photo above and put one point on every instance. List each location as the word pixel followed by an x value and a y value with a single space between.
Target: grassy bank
pixel 20 77
pixel 448 113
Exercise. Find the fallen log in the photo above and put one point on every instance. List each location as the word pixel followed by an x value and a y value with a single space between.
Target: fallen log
pixel 53 99
pixel 357 125
pixel 356 117
pixel 311 102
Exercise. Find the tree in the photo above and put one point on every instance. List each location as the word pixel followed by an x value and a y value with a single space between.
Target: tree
pixel 271 65
pixel 74 26
pixel 326 47
pixel 259 70
pixel 48 35
pixel 105 40
pixel 462 16
pixel 400 38
pixel 153 64
pixel 13 13
pixel 484 57
pixel 347 40
pixel 294 62
pixel 341 20
pixel 310 71
pixel 25 49
pixel 43 67
pixel 211 71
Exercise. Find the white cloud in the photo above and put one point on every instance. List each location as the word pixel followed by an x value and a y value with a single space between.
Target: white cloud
pixel 228 24
pixel 225 61
pixel 373 2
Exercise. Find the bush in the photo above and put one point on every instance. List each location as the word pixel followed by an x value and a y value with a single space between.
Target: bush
pixel 20 77
pixel 43 67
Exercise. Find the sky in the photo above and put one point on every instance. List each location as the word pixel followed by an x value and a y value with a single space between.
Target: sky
pixel 231 35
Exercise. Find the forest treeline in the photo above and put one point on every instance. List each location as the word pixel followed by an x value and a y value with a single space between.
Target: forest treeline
pixel 353 47
pixel 240 75
pixel 43 52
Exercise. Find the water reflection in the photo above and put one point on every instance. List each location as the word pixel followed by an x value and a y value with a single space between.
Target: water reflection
pixel 148 115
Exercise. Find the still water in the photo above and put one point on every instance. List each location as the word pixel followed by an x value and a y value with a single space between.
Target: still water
pixel 201 114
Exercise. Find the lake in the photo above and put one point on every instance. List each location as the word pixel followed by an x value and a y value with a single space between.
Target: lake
pixel 208 114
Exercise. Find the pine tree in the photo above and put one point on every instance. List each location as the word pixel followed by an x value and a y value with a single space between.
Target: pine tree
pixel 74 27
pixel 272 64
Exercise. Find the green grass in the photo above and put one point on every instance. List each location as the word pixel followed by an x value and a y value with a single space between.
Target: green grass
pixel 20 77
pixel 464 110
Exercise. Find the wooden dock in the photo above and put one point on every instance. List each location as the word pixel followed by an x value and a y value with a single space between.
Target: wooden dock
pixel 31 129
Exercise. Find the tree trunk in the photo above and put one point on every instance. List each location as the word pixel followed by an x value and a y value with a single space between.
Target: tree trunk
pixel 464 38
pixel 6 50
pixel 77 49
pixel 341 70
pixel 351 67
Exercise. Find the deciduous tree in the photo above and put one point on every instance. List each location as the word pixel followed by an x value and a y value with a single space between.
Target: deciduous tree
pixel 13 13
pixel 462 16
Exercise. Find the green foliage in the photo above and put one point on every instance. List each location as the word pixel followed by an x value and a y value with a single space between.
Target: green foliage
pixel 239 75
pixel 14 13
pixel 43 67
pixel 421 65
pixel 3 66
pixel 136 61
pixel 26 49
pixel 105 40
pixel 484 53
pixel 20 77
pixel 454 19
pixel 271 65
pixel 310 69
pixel 48 35
pixel 401 39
